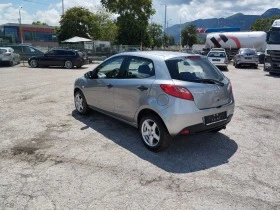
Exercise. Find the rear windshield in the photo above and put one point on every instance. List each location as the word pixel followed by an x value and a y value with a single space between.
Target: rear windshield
pixel 217 54
pixel 189 69
pixel 248 51
pixel 2 51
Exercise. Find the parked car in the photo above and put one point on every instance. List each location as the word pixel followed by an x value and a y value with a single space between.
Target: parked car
pixel 7 55
pixel 163 94
pixel 67 58
pixel 26 51
pixel 219 59
pixel 246 56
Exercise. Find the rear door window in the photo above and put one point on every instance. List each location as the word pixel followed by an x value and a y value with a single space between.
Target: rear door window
pixel 189 69
pixel 139 68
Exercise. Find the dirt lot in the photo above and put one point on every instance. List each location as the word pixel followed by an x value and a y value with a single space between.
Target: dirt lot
pixel 52 158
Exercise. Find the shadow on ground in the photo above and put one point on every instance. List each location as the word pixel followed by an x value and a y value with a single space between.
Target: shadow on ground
pixel 185 155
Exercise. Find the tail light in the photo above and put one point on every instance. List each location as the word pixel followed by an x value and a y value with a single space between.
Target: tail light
pixel 226 60
pixel 177 91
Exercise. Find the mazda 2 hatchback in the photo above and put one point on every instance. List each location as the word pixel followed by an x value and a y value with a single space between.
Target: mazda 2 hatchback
pixel 163 94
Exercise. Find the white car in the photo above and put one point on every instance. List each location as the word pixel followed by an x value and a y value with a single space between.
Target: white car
pixel 219 59
pixel 7 55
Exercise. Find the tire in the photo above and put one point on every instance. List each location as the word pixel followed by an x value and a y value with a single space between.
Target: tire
pixel 256 66
pixel 237 66
pixel 153 133
pixel 80 103
pixel 33 63
pixel 11 63
pixel 79 67
pixel 68 64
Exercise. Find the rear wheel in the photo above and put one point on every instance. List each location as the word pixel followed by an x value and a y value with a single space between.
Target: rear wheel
pixel 256 66
pixel 81 103
pixel 34 63
pixel 153 133
pixel 68 64
pixel 79 66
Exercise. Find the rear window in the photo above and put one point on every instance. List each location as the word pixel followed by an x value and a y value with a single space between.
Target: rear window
pixel 217 54
pixel 188 69
pixel 2 51
pixel 248 51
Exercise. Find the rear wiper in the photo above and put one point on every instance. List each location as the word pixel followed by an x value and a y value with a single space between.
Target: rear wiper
pixel 210 81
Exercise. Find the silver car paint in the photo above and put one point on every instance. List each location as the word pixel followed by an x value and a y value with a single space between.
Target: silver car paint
pixel 126 103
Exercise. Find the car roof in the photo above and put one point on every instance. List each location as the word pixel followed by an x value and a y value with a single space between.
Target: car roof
pixel 158 54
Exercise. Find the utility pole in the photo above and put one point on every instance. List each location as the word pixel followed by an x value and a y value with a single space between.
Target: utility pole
pixel 180 48
pixel 164 28
pixel 19 20
pixel 62 7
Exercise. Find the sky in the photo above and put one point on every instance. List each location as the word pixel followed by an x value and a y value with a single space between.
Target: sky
pixel 49 11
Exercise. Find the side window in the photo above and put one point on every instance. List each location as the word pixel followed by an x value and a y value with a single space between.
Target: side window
pixel 52 52
pixel 110 69
pixel 140 68
pixel 27 49
pixel 34 50
pixel 17 49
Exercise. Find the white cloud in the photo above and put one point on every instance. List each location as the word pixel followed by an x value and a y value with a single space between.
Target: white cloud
pixel 3 6
pixel 197 9
pixel 191 10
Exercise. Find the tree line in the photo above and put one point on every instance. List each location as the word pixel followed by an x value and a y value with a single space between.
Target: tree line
pixel 131 27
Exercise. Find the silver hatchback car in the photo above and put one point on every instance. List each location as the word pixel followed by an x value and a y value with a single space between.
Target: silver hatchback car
pixel 163 94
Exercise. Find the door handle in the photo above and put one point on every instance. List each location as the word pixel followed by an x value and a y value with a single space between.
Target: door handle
pixel 109 86
pixel 142 88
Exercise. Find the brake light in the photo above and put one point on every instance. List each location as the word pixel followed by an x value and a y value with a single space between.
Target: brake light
pixel 177 91
pixel 193 56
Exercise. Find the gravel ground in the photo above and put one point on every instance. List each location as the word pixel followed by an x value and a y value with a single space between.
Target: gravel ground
pixel 52 158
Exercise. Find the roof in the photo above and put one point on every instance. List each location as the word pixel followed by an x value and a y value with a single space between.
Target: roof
pixel 76 39
pixel 163 54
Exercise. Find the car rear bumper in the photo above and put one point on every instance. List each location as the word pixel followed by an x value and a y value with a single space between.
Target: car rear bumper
pixel 199 128
pixel 176 120
pixel 249 62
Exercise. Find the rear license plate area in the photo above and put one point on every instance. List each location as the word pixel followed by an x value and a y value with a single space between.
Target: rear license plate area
pixel 248 58
pixel 211 119
pixel 216 60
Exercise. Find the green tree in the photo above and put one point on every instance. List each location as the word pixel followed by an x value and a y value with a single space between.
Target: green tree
pixel 155 32
pixel 189 37
pixel 107 26
pixel 78 21
pixel 263 24
pixel 132 21
pixel 39 23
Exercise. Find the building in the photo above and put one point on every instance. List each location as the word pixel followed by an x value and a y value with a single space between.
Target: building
pixel 37 35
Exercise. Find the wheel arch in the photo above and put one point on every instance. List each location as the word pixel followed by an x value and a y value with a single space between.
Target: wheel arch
pixel 148 111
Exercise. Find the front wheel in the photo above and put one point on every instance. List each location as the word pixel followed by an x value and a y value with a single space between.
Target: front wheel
pixel 34 63
pixel 68 64
pixel 153 133
pixel 80 103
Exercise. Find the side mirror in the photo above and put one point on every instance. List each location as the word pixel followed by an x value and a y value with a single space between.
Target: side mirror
pixel 91 75
pixel 267 36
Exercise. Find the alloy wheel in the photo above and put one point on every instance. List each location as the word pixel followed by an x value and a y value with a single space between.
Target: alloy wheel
pixel 150 133
pixel 79 102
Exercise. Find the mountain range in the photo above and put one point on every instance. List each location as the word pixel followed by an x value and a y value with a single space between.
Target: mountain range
pixel 236 20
